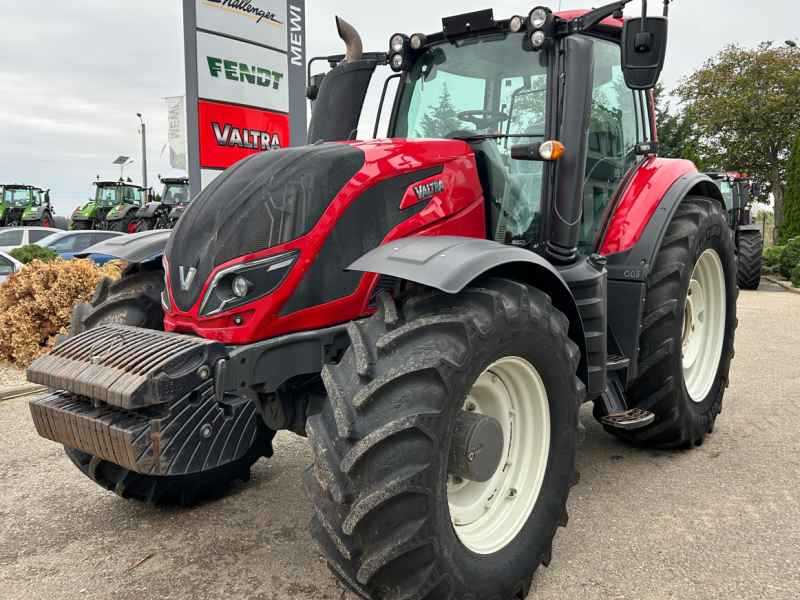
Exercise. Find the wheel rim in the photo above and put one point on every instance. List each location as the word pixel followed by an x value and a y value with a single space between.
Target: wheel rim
pixel 132 226
pixel 46 223
pixel 703 325
pixel 488 516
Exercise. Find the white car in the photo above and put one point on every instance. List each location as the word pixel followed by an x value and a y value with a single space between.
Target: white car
pixel 8 265
pixel 14 237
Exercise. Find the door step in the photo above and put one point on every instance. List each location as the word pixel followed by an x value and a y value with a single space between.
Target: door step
pixel 614 362
pixel 629 419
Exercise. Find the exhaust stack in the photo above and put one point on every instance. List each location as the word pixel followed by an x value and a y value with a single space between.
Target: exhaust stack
pixel 351 39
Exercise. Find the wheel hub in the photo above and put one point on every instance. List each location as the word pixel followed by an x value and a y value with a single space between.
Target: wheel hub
pixel 476 447
pixel 487 515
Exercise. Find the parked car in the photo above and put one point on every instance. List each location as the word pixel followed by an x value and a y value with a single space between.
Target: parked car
pixel 15 237
pixel 70 243
pixel 8 265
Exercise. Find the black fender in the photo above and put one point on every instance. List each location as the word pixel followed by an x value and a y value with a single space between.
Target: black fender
pixel 123 213
pixel 628 270
pixel 134 247
pixel 148 212
pixel 450 263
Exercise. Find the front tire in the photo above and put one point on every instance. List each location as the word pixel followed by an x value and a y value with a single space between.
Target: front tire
pixel 686 343
pixel 144 224
pixel 126 224
pixel 135 299
pixel 44 220
pixel 81 225
pixel 751 251
pixel 390 522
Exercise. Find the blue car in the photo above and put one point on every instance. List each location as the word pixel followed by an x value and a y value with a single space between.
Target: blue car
pixel 70 243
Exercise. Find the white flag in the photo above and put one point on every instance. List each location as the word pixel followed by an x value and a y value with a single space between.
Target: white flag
pixel 177 132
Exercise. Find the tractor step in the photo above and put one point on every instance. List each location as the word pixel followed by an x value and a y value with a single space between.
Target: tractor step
pixel 614 362
pixel 629 419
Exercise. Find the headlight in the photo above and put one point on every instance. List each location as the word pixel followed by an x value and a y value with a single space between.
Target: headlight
pixel 515 24
pixel 240 286
pixel 246 282
pixel 538 18
pixel 538 38
pixel 417 41
pixel 397 43
pixel 397 61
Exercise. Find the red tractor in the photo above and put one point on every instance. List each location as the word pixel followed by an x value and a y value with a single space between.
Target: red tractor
pixel 431 310
pixel 738 190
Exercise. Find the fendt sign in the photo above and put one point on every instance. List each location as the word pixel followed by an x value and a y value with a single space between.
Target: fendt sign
pixel 245 81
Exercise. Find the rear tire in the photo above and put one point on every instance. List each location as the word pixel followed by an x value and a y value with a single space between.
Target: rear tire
pixel 126 224
pixel 81 225
pixel 385 510
pixel 684 411
pixel 135 299
pixel 751 250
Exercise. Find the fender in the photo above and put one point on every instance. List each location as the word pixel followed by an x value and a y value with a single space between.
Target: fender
pixel 122 213
pixel 633 239
pixel 450 263
pixel 149 211
pixel 134 247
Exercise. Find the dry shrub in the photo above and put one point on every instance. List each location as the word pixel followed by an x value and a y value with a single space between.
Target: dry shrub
pixel 36 303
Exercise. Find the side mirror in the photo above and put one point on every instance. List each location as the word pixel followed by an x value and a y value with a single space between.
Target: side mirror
pixel 756 188
pixel 644 49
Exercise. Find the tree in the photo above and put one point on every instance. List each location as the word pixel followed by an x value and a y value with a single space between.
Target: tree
pixel 689 154
pixel 790 227
pixel 676 131
pixel 130 180
pixel 440 120
pixel 745 104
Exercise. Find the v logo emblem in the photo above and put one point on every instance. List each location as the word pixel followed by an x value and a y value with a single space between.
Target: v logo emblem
pixel 186 281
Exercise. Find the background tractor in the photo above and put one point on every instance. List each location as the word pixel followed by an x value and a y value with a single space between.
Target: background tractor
pixel 114 207
pixel 737 190
pixel 164 214
pixel 25 205
pixel 430 309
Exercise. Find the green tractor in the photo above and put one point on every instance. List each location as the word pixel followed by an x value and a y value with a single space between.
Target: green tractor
pixel 25 205
pixel 114 207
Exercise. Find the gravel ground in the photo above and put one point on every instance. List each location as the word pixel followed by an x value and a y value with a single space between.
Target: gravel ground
pixel 719 521
pixel 11 375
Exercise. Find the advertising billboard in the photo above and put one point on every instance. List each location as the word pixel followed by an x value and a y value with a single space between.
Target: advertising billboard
pixel 245 81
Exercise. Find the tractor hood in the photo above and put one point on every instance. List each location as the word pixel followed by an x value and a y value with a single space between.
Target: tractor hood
pixel 264 201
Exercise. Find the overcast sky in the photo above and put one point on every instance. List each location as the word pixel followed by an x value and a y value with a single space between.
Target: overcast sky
pixel 74 74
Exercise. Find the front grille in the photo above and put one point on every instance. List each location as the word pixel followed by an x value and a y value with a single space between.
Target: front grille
pixel 128 367
pixel 386 283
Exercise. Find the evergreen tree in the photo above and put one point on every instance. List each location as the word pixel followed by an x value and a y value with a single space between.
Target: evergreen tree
pixel 689 154
pixel 790 226
pixel 440 120
pixel 676 130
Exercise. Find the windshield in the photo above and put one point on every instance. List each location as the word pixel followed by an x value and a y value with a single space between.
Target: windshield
pixel 727 192
pixel 492 84
pixel 107 195
pixel 175 193
pixel 16 197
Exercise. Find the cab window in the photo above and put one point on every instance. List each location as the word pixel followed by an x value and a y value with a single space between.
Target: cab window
pixel 133 195
pixel 615 128
pixel 36 197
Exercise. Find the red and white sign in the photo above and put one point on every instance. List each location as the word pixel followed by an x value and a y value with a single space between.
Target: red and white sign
pixel 230 133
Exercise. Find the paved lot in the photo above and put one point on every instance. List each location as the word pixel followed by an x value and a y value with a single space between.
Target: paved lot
pixel 720 521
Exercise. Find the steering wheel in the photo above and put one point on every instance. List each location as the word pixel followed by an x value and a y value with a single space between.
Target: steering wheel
pixel 482 119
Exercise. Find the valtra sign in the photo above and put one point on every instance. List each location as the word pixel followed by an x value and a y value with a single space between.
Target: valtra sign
pixel 245 81
pixel 230 133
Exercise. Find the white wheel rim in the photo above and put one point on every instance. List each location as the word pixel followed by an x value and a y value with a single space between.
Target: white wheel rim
pixel 488 516
pixel 703 325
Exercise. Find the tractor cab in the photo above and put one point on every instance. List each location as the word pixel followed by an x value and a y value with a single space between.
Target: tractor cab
pixel 25 205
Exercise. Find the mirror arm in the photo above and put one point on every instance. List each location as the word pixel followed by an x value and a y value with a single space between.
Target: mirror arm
pixel 644 16
pixel 593 17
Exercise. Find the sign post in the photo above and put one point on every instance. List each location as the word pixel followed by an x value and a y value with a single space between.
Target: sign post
pixel 245 81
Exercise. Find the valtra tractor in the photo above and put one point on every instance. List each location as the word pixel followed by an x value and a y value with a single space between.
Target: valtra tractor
pixel 738 190
pixel 165 214
pixel 25 205
pixel 114 207
pixel 430 312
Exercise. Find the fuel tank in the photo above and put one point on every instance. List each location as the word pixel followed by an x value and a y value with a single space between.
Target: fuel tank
pixel 282 225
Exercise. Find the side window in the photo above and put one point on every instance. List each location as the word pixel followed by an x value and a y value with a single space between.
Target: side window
pixel 65 244
pixel 102 237
pixel 5 267
pixel 11 238
pixel 614 130
pixel 34 235
pixel 82 242
pixel 36 197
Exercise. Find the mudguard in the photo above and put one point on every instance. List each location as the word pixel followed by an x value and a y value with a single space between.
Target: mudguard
pixel 116 215
pixel 148 210
pixel 450 263
pixel 134 247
